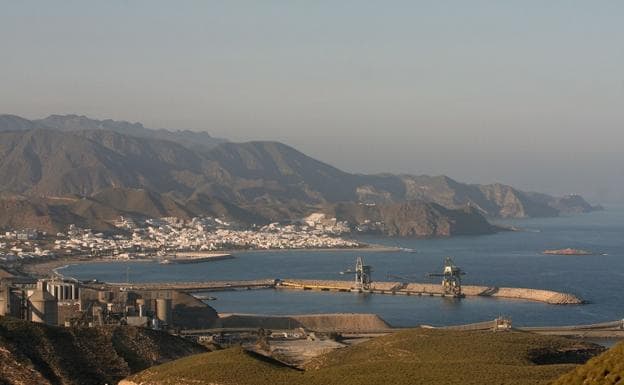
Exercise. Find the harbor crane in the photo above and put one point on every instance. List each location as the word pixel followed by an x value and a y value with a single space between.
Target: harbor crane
pixel 362 274
pixel 451 278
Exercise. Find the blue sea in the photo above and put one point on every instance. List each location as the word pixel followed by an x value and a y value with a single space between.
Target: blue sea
pixel 505 259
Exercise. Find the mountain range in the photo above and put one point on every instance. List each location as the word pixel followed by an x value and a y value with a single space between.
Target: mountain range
pixel 72 169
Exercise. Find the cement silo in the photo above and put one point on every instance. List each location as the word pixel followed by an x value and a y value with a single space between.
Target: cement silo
pixel 10 303
pixel 63 290
pixel 140 304
pixel 5 301
pixel 43 307
pixel 163 310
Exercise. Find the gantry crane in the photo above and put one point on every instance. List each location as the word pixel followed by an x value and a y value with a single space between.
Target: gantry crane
pixel 362 274
pixel 451 278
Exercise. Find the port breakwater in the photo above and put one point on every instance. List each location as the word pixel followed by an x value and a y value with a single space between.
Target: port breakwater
pixel 377 287
pixel 203 286
pixel 427 289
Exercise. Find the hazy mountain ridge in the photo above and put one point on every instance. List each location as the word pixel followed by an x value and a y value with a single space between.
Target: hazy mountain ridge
pixel 188 138
pixel 49 162
pixel 16 123
pixel 193 139
pixel 252 182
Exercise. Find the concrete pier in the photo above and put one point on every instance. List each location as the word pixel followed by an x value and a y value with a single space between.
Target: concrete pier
pixel 391 288
pixel 200 286
pixel 425 289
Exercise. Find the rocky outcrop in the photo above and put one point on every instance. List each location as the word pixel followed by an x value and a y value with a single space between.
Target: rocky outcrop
pixel 39 354
pixel 572 204
pixel 413 219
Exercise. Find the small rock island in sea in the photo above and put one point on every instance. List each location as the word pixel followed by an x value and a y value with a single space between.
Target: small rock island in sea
pixel 568 251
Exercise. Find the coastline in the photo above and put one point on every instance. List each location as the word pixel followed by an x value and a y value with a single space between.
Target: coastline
pixel 368 248
pixel 48 267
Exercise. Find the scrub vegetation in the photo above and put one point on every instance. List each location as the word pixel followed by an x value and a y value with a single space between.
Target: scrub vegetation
pixel 606 369
pixel 417 356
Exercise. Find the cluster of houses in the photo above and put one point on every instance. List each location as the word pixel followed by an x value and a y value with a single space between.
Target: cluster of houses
pixel 158 237
pixel 21 245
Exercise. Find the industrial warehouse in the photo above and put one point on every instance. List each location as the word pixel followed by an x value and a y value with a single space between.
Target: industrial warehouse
pixel 68 302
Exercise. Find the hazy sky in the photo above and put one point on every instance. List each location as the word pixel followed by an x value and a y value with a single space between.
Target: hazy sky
pixel 524 92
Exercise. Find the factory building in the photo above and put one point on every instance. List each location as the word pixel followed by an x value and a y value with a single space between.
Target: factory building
pixel 63 290
pixel 30 302
pixel 6 298
pixel 66 302
pixel 42 306
pixel 163 311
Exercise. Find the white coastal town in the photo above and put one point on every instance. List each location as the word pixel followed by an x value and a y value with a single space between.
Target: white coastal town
pixel 159 238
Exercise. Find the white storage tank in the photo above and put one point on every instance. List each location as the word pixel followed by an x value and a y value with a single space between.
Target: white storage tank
pixel 43 307
pixel 163 310
pixel 140 304
pixel 64 290
pixel 4 301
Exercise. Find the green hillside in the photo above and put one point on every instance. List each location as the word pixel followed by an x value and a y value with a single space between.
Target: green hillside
pixel 416 356
pixel 231 366
pixel 606 369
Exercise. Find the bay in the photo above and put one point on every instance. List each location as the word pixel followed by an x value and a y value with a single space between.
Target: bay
pixel 511 259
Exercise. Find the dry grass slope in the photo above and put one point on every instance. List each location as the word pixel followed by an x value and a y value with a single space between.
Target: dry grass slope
pixel 606 369
pixel 416 356
pixel 231 366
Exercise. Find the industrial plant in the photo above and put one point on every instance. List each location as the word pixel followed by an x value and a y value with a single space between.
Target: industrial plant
pixel 60 301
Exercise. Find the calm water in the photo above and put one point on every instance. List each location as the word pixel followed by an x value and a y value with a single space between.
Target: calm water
pixel 504 259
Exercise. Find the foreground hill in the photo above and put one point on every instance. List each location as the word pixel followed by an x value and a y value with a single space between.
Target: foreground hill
pixel 38 354
pixel 606 369
pixel 181 174
pixel 416 356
